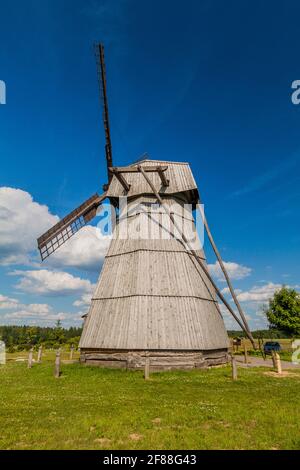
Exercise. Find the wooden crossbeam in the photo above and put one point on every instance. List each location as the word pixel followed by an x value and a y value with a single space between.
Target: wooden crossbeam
pixel 120 177
pixel 134 169
pixel 119 170
pixel 164 180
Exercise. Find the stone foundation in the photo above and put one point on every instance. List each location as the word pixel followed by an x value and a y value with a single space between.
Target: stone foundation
pixel 159 360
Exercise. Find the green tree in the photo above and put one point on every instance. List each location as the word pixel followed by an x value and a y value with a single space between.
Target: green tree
pixel 31 336
pixel 283 311
pixel 58 335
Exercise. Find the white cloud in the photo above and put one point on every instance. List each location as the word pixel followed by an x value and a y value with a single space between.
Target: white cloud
pixel 253 300
pixel 22 221
pixel 85 250
pixel 227 291
pixel 235 271
pixel 56 283
pixel 256 319
pixel 27 315
pixel 259 293
pixel 39 309
pixel 7 302
pixel 84 301
pixel 27 310
pixel 38 314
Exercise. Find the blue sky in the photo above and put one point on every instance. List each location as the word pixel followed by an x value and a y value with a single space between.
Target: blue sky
pixel 207 82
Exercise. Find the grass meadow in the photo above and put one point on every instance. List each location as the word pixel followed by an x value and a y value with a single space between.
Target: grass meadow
pixel 95 408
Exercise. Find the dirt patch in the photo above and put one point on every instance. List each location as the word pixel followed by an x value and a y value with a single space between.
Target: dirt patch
pixel 282 375
pixel 206 426
pixel 103 441
pixel 156 421
pixel 135 437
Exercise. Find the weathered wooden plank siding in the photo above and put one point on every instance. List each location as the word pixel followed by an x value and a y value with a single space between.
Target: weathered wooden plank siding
pixel 152 294
pixel 154 273
pixel 147 322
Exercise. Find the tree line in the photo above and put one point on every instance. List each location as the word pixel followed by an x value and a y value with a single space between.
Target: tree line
pixel 18 338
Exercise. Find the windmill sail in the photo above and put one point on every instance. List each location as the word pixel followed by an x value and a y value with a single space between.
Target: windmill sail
pixel 99 52
pixel 56 236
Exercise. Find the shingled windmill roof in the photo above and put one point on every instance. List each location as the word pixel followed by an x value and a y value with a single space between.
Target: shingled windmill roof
pixel 179 174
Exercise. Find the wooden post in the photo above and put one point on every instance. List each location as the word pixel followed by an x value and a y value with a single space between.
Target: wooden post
pixel 245 353
pixel 71 352
pixel 273 359
pixel 57 365
pixel 147 368
pixel 30 357
pixel 234 368
pixel 261 348
pixel 278 363
pixel 39 358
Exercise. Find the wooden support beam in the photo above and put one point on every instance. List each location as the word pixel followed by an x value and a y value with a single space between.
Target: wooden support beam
pixel 195 256
pixel 118 174
pixel 222 266
pixel 135 169
pixel 123 182
pixel 164 180
pixel 119 170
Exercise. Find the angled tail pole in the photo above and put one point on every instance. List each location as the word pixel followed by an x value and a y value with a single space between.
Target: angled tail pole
pixel 216 251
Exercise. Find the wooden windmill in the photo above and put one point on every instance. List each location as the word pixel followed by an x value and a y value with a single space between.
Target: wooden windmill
pixel 155 296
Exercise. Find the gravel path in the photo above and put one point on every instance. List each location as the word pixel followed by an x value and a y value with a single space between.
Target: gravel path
pixel 260 362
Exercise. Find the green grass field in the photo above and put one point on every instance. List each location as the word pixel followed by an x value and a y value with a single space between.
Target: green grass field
pixel 94 408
